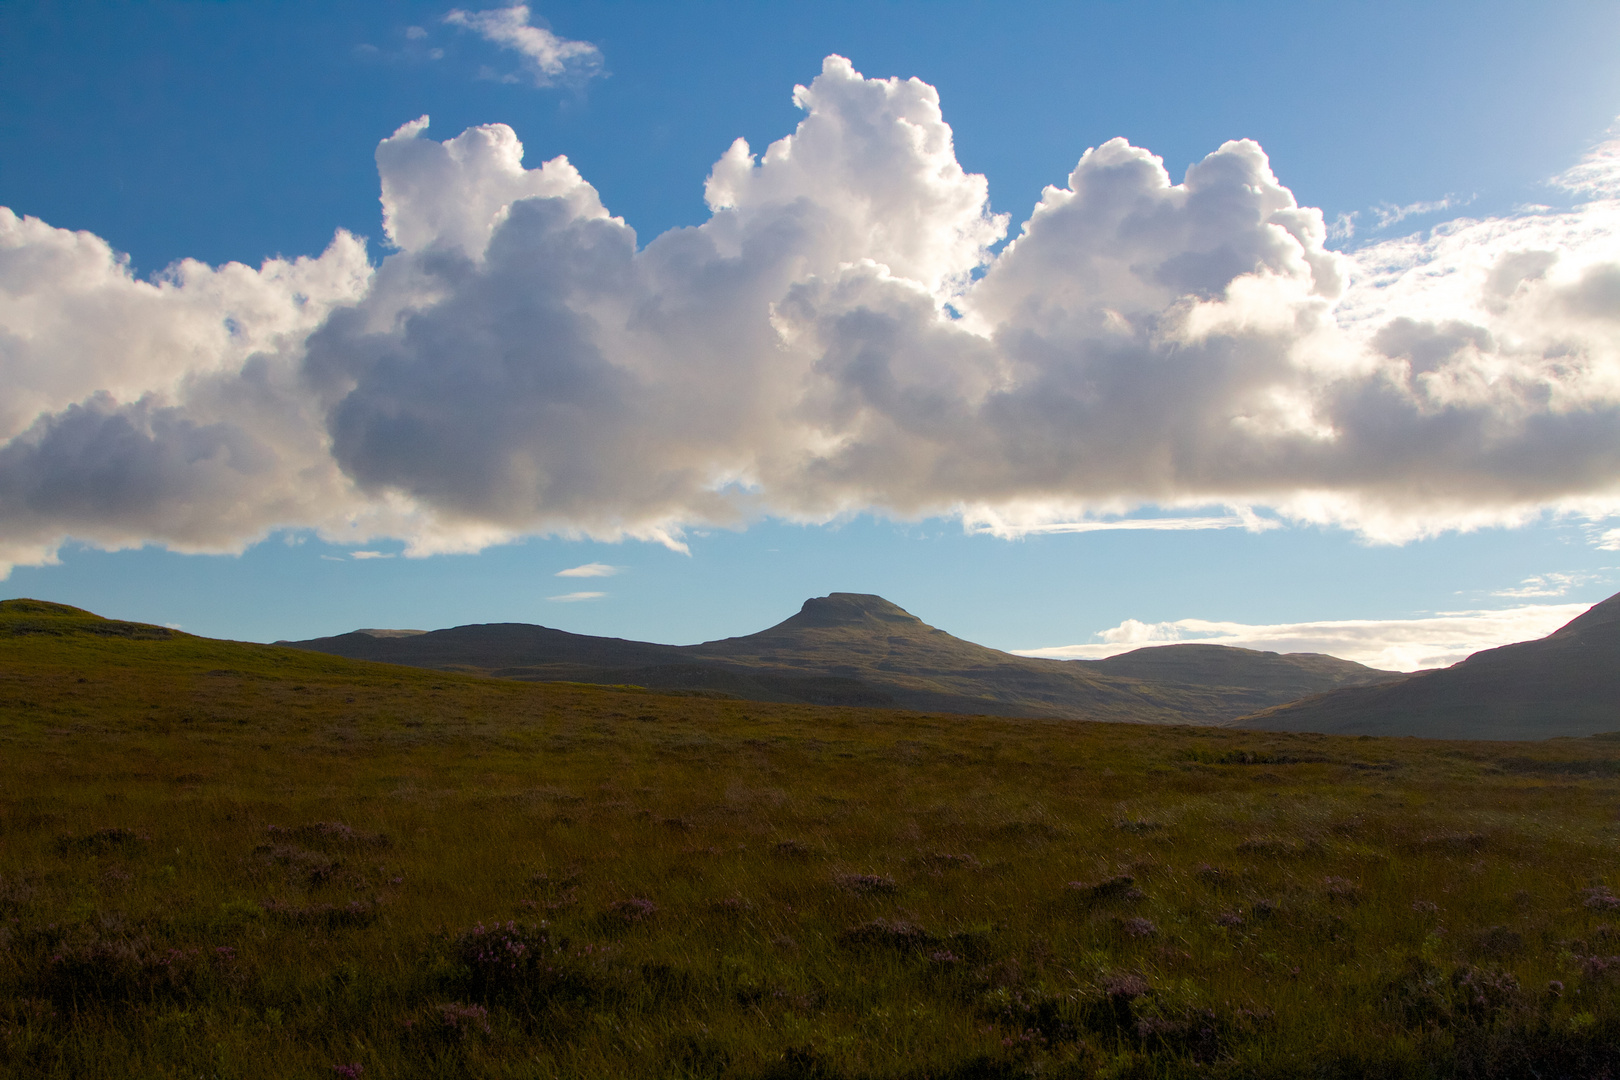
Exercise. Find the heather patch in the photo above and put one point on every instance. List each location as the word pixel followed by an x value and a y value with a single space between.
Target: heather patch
pixel 327 833
pixel 355 913
pixel 1600 898
pixel 109 965
pixel 866 884
pixel 1120 887
pixel 888 934
pixel 937 861
pixel 308 869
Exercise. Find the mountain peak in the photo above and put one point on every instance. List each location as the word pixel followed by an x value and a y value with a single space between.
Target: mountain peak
pixel 846 609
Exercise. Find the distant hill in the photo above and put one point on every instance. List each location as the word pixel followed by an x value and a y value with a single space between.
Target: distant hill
pixel 1292 674
pixel 1567 683
pixel 859 649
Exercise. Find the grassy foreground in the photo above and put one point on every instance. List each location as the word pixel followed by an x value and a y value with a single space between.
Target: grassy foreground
pixel 236 861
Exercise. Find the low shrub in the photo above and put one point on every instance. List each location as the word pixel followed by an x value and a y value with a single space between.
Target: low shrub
pixel 888 934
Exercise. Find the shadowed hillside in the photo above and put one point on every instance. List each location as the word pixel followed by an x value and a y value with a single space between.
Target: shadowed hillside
pixel 1567 683
pixel 1292 674
pixel 859 649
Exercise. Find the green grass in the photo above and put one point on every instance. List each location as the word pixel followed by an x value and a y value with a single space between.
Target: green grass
pixel 732 889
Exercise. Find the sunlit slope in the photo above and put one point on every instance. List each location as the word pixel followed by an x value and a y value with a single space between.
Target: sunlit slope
pixel 859 649
pixel 1567 683
pixel 37 635
pixel 61 664
pixel 71 672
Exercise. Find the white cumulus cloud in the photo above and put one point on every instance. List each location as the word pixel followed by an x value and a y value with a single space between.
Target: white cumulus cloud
pixel 1392 644
pixel 837 337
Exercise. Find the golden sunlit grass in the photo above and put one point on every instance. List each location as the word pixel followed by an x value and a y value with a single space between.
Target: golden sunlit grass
pixel 240 861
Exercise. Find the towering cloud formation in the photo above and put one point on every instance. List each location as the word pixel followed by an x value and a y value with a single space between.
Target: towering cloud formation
pixel 836 337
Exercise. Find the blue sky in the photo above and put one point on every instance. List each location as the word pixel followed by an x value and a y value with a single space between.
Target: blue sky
pixel 236 132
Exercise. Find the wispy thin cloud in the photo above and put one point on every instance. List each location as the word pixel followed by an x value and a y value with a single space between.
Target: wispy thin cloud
pixel 415 48
pixel 548 59
pixel 1598 173
pixel 590 569
pixel 1389 214
pixel 370 555
pixel 1429 641
pixel 1609 541
pixel 1009 529
pixel 576 597
pixel 1545 585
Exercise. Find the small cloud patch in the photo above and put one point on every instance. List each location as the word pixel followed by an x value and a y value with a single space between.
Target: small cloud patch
pixel 590 569
pixel 576 597
pixel 547 58
pixel 1389 214
pixel 370 555
pixel 1545 585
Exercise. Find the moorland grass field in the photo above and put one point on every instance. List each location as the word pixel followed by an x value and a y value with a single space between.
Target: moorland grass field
pixel 238 861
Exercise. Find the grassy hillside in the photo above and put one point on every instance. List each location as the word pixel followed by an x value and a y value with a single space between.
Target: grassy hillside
pixel 859 649
pixel 1565 684
pixel 240 861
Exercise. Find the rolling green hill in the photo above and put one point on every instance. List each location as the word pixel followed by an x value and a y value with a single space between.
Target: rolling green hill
pixel 859 649
pixel 1567 683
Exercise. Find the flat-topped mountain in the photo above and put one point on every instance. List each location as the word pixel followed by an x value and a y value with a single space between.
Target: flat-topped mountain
pixel 860 649
pixel 1567 683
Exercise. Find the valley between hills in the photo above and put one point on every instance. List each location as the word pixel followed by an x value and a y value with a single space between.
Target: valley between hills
pixel 259 862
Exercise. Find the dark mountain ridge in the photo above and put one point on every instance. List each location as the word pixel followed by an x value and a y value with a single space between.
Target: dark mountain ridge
pixel 860 649
pixel 1565 684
